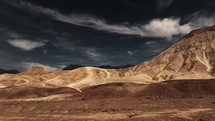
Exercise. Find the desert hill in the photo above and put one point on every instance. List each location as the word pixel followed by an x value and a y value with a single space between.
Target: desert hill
pixel 192 57
pixel 41 77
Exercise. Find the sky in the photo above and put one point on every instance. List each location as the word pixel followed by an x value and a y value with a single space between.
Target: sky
pixel 56 33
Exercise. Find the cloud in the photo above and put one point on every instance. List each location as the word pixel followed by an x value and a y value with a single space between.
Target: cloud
pixel 25 45
pixel 27 65
pixel 201 18
pixel 161 4
pixel 93 54
pixel 151 44
pixel 62 66
pixel 159 28
pixel 130 52
pixel 166 27
pixel 155 27
pixel 65 45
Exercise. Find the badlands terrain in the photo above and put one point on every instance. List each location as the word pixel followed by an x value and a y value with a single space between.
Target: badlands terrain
pixel 176 85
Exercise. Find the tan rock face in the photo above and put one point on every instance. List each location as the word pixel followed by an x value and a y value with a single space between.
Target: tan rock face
pixel 192 57
pixel 41 77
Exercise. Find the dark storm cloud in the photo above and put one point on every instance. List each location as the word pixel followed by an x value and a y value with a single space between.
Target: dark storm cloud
pixel 53 33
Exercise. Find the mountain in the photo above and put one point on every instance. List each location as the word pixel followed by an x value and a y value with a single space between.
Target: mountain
pixel 191 58
pixel 75 66
pixel 42 77
pixel 2 71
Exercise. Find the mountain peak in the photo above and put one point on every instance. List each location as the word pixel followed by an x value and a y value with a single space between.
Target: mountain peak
pixel 199 31
pixel 192 57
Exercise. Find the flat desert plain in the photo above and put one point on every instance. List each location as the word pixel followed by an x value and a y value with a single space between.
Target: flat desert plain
pixel 190 100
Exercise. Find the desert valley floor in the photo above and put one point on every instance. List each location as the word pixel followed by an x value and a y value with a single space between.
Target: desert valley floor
pixel 190 100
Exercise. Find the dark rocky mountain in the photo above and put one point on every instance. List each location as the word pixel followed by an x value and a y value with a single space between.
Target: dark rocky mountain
pixel 2 71
pixel 75 66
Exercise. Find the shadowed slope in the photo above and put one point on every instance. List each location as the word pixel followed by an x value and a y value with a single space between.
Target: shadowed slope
pixel 168 89
pixel 33 92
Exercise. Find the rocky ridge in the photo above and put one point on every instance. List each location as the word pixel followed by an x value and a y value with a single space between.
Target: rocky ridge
pixel 192 57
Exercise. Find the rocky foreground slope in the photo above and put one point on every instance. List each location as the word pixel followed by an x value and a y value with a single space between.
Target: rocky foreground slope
pixel 192 57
